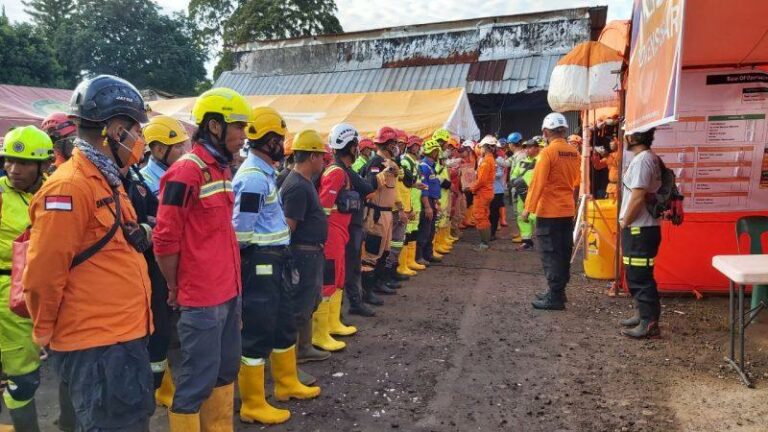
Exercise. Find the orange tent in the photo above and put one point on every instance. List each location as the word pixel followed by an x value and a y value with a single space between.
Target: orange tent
pixel 585 78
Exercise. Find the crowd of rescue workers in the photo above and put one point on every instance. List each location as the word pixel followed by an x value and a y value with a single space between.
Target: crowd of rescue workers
pixel 155 264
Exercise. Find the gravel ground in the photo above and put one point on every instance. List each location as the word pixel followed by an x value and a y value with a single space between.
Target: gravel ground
pixel 461 349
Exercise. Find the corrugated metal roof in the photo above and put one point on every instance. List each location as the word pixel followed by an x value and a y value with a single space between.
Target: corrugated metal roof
pixel 506 76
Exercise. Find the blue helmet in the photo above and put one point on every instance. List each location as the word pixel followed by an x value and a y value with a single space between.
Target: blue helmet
pixel 502 141
pixel 514 138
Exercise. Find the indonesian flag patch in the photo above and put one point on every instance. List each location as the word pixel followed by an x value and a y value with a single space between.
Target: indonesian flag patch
pixel 58 203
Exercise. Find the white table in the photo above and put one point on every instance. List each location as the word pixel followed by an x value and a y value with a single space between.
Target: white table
pixel 741 270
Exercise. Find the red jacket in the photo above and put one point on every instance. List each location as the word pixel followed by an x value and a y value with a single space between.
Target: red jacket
pixel 195 221
pixel 333 181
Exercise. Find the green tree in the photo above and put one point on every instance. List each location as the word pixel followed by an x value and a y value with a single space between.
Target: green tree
pixel 238 21
pixel 26 57
pixel 48 15
pixel 133 40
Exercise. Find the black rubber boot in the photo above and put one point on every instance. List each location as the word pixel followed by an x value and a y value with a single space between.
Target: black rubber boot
pixel 391 278
pixel 369 297
pixel 305 351
pixel 362 310
pixel 551 302
pixel 644 329
pixel 542 295
pixel 379 279
pixel 24 419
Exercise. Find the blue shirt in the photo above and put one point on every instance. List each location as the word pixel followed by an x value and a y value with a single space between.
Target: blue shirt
pixel 258 214
pixel 429 178
pixel 152 173
pixel 498 180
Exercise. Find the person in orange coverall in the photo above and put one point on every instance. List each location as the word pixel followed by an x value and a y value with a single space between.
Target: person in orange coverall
pixel 483 190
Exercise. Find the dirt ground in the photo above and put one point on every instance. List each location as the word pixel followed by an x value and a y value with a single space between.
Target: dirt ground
pixel 461 349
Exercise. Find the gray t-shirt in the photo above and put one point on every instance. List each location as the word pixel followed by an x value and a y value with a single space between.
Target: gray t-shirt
pixel 644 172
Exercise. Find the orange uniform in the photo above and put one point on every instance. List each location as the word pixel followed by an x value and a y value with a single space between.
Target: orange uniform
pixel 550 194
pixel 106 299
pixel 483 190
pixel 612 162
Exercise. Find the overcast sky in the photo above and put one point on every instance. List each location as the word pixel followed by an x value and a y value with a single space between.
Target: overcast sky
pixel 360 15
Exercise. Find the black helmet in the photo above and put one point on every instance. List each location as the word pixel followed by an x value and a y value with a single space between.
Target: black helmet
pixel 106 96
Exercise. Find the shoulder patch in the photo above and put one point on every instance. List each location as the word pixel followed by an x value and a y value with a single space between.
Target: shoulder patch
pixel 251 202
pixel 174 194
pixel 58 203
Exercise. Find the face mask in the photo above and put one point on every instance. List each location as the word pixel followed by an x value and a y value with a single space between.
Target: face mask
pixel 137 149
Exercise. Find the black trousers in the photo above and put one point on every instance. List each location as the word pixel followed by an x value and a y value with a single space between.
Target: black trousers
pixel 353 265
pixel 307 281
pixel 496 204
pixel 640 247
pixel 555 243
pixel 426 233
pixel 268 316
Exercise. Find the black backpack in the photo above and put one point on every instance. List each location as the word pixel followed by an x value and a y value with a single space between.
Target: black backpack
pixel 667 202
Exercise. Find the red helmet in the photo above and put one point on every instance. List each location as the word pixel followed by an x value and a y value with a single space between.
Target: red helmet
pixel 414 140
pixel 58 125
pixel 402 137
pixel 366 143
pixel 385 134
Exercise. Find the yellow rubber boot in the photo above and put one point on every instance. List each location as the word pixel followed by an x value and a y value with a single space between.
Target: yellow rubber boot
pixel 255 408
pixel 402 263
pixel 9 428
pixel 285 375
pixel 412 264
pixel 321 336
pixel 216 411
pixel 444 242
pixel 184 422
pixel 335 326
pixel 164 394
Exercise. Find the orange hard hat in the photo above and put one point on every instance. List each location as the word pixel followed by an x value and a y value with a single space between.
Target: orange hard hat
pixel 288 145
pixel 453 142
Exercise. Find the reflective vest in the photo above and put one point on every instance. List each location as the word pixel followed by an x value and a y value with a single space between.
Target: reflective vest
pixel 14 219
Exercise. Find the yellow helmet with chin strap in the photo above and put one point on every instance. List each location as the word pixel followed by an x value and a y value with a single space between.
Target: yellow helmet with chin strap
pixel 166 130
pixel 224 101
pixel 264 120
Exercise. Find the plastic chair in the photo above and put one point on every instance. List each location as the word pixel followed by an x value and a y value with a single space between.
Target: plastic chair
pixel 754 227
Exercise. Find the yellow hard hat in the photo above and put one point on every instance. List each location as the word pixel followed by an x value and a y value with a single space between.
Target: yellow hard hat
pixel 441 134
pixel 264 120
pixel 309 140
pixel 28 143
pixel 225 101
pixel 165 130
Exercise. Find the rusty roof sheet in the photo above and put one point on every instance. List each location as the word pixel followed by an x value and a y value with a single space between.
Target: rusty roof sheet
pixel 518 75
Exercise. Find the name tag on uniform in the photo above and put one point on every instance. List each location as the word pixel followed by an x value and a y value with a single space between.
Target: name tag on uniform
pixel 264 270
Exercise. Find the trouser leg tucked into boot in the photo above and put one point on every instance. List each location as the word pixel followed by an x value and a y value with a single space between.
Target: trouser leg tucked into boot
pixel 285 375
pixel 321 336
pixel 306 352
pixel 335 326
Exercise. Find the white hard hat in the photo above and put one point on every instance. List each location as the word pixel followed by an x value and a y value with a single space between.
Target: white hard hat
pixel 469 144
pixel 553 121
pixel 341 135
pixel 489 140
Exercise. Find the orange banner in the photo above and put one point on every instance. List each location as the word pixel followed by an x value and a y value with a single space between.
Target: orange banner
pixel 654 63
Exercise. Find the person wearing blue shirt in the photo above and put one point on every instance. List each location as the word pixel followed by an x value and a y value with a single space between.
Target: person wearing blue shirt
pixel 430 202
pixel 499 185
pixel 269 327
pixel 167 139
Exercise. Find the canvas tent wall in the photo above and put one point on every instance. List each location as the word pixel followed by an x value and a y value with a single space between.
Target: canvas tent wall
pixel 21 106
pixel 417 112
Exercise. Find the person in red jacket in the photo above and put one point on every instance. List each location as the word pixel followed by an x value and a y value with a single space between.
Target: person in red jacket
pixel 483 190
pixel 336 196
pixel 197 251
